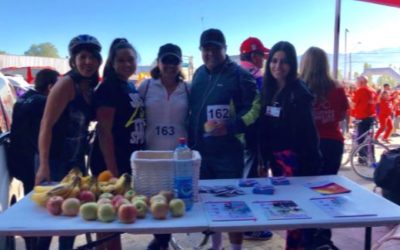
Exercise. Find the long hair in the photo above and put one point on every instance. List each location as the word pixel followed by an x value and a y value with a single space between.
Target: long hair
pixel 117 44
pixel 270 85
pixel 314 70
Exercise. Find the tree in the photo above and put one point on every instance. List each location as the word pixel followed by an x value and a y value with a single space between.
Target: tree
pixel 43 49
pixel 2 52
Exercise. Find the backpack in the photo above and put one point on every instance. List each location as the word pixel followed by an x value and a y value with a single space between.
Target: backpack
pixel 387 173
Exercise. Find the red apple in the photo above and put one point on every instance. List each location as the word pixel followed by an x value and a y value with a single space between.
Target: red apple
pixel 86 196
pixel 116 198
pixel 54 204
pixel 104 201
pixel 120 202
pixel 127 213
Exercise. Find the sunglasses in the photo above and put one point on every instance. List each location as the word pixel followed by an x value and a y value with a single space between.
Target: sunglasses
pixel 171 60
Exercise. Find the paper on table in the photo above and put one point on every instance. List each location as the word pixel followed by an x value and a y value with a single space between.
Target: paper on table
pixel 229 211
pixel 327 187
pixel 339 206
pixel 282 210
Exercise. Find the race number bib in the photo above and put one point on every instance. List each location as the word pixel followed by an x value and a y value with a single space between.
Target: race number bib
pixel 137 134
pixel 218 112
pixel 165 130
pixel 273 111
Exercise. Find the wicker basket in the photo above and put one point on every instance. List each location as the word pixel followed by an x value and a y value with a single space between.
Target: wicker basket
pixel 153 171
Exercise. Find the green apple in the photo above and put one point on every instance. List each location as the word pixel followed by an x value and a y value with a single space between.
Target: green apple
pixel 106 212
pixel 88 211
pixel 159 209
pixel 141 207
pixel 177 207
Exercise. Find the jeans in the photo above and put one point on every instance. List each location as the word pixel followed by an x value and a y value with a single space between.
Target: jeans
pixel 332 151
pixel 365 125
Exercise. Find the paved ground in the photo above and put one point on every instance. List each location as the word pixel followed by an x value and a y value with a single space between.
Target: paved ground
pixel 344 238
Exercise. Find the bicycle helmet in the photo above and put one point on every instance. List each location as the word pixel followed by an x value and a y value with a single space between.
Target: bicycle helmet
pixel 83 41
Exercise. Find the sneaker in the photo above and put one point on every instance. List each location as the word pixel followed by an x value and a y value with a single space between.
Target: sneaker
pixel 258 235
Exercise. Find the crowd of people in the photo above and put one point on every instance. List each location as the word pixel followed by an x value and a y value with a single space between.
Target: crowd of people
pixel 266 115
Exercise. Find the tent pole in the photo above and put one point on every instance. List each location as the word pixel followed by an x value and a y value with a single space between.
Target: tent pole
pixel 336 39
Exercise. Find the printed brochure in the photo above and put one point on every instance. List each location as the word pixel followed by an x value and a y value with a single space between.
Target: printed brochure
pixel 229 211
pixel 282 210
pixel 327 187
pixel 340 206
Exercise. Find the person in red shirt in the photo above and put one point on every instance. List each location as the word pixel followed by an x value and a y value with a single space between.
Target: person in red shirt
pixel 330 107
pixel 385 116
pixel 364 109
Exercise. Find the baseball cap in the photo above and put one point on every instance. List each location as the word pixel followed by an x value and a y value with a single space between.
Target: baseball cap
pixel 170 49
pixel 212 36
pixel 252 44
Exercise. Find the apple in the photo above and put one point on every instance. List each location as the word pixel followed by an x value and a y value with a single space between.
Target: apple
pixel 88 211
pixel 116 198
pixel 141 197
pixel 141 207
pixel 159 209
pixel 104 201
pixel 168 194
pixel 70 207
pixel 106 195
pixel 120 202
pixel 54 204
pixel 106 213
pixel 129 194
pixel 86 196
pixel 158 197
pixel 127 213
pixel 177 207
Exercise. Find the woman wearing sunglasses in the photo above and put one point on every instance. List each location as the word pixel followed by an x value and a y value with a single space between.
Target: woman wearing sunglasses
pixel 165 98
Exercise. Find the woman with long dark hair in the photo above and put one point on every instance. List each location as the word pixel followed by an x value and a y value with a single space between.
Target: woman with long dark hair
pixel 288 137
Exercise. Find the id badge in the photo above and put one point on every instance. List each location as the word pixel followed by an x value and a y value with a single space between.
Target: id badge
pixel 218 112
pixel 273 111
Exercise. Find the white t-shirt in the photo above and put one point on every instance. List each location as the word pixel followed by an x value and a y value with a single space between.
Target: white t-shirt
pixel 165 116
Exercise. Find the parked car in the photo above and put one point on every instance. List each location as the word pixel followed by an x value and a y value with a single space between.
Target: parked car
pixel 11 189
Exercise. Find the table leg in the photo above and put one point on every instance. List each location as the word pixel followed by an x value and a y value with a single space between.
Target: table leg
pixel 368 238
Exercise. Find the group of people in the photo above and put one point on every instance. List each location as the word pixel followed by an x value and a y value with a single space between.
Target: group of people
pixel 261 118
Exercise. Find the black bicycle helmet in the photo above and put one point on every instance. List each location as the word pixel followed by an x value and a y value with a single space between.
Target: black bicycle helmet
pixel 83 41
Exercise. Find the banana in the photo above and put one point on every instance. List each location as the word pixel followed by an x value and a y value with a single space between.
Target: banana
pixel 64 189
pixel 40 198
pixel 86 182
pixel 94 187
pixel 42 189
pixel 120 187
pixel 71 174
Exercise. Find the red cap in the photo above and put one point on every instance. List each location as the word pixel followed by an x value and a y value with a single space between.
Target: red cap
pixel 252 44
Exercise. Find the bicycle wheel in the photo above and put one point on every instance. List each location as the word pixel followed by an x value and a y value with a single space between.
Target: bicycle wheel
pixel 364 158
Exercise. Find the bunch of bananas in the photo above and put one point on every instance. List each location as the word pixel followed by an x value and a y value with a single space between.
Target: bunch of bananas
pixel 64 189
pixel 123 184
pixel 90 183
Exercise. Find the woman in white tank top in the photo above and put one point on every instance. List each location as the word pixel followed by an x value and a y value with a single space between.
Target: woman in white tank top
pixel 165 98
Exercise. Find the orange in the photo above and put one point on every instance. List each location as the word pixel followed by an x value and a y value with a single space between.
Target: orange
pixel 106 175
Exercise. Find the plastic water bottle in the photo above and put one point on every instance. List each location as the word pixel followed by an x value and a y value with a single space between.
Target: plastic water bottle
pixel 183 184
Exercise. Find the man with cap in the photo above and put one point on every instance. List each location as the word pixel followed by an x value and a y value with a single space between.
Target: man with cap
pixel 252 56
pixel 223 102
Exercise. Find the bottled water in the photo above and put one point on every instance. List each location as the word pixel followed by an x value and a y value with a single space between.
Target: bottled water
pixel 183 182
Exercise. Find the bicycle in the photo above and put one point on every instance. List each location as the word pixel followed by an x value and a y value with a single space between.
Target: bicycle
pixel 363 157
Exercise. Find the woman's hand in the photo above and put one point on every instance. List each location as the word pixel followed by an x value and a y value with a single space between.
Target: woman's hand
pixel 43 174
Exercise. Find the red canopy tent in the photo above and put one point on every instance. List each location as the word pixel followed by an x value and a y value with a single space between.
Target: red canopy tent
pixel 393 3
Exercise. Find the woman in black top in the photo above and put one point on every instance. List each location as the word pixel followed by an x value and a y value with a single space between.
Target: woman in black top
pixel 119 112
pixel 288 137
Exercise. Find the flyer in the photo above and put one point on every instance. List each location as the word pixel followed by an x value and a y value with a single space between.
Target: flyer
pixel 282 210
pixel 327 187
pixel 229 211
pixel 340 206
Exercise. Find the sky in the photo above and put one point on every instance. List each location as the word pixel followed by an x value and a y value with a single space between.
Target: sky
pixel 148 24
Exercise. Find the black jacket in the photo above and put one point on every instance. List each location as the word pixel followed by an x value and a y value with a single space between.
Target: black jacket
pixel 296 120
